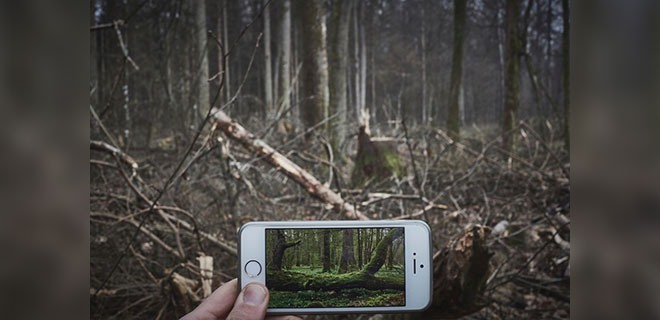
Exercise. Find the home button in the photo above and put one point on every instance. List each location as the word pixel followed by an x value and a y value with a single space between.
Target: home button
pixel 253 268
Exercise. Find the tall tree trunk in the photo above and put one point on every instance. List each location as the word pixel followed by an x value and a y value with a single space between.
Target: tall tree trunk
pixel 268 73
pixel 320 245
pixel 326 251
pixel 511 76
pixel 280 246
pixel 453 116
pixel 548 53
pixel 221 54
pixel 356 60
pixel 203 100
pixel 298 250
pixel 566 53
pixel 337 65
pixel 347 262
pixel 359 248
pixel 225 39
pixel 423 48
pixel 363 61
pixel 501 67
pixel 315 65
pixel 373 67
pixel 285 56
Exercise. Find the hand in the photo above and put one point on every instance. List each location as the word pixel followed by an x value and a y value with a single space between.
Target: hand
pixel 226 303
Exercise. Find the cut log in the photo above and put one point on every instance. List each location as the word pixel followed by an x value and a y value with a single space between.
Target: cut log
pixel 206 272
pixel 312 185
pixel 183 291
pixel 460 273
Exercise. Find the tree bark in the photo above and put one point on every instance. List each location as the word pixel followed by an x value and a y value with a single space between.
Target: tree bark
pixel 327 265
pixel 347 262
pixel 363 60
pixel 221 53
pixel 453 116
pixel 359 248
pixel 280 246
pixel 390 256
pixel 285 56
pixel 511 77
pixel 566 53
pixel 338 66
pixel 268 73
pixel 314 105
pixel 225 37
pixel 460 272
pixel 423 48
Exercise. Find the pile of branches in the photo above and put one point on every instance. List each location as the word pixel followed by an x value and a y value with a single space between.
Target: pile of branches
pixel 155 216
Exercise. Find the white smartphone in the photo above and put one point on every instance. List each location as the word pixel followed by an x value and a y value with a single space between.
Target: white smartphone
pixel 313 267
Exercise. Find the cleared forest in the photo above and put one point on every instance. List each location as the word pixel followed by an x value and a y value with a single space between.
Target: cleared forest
pixel 206 115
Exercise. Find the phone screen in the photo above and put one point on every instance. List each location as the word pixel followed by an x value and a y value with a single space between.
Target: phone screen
pixel 335 268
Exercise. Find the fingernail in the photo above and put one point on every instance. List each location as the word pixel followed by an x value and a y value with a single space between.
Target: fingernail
pixel 254 295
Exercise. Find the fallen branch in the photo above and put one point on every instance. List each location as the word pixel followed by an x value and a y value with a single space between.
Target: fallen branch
pixel 312 185
pixel 105 147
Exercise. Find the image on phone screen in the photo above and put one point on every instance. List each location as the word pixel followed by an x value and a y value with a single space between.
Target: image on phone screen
pixel 335 267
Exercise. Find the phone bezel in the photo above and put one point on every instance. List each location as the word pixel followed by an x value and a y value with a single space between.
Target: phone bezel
pixel 419 286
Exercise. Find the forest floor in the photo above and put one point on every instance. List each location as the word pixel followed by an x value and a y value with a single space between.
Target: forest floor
pixel 523 198
pixel 349 297
pixel 335 298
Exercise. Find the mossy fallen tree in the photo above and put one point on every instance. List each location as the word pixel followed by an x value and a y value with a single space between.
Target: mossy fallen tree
pixel 297 281
pixel 365 278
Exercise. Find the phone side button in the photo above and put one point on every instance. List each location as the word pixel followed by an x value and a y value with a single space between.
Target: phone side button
pixel 253 268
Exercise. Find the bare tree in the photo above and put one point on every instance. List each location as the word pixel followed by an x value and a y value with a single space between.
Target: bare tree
pixel 566 37
pixel 268 73
pixel 203 100
pixel 347 262
pixel 511 76
pixel 338 66
pixel 315 65
pixel 453 116
pixel 285 55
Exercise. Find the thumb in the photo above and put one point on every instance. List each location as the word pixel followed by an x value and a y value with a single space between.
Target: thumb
pixel 251 303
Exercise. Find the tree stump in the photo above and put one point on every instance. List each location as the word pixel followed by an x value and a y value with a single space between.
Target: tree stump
pixel 376 159
pixel 460 273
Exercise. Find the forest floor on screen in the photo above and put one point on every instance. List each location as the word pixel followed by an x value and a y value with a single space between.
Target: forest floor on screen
pixel 332 268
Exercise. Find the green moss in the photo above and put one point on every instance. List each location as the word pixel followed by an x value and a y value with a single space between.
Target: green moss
pixel 376 160
pixel 297 281
pixel 394 163
pixel 357 297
